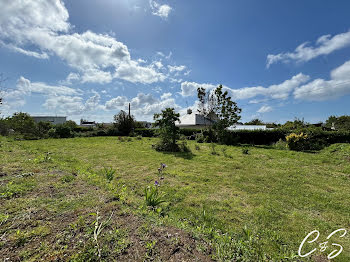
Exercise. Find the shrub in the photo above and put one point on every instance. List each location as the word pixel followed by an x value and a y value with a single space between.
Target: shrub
pixel 245 150
pixel 281 145
pixel 145 132
pixel 168 131
pixel 297 142
pixel 63 131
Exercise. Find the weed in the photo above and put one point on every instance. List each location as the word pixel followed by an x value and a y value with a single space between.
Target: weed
pixel 245 150
pixel 3 218
pixel 213 149
pixel 108 173
pixel 150 248
pixel 152 196
pixel 224 149
pixel 99 226
pixel 281 145
pixel 67 178
pixel 197 147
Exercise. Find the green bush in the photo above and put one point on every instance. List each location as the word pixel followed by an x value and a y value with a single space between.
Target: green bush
pixel 298 142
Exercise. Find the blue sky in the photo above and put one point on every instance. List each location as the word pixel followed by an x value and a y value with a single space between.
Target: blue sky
pixel 89 59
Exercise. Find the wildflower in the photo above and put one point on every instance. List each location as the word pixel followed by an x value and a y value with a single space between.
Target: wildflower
pixel 156 183
pixel 163 165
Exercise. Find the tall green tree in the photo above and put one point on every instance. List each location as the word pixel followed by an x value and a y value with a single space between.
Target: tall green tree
pixel 168 131
pixel 23 123
pixel 341 123
pixel 218 106
pixel 124 123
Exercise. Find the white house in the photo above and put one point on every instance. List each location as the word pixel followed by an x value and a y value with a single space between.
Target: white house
pixel 192 120
pixel 248 127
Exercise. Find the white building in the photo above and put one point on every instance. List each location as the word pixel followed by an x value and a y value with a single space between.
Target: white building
pixel 192 120
pixel 248 127
pixel 51 119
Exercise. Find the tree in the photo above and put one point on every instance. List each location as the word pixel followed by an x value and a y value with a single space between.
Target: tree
pixel 70 124
pixel 341 123
pixel 218 106
pixel 256 122
pixel 124 122
pixel 23 123
pixel 168 131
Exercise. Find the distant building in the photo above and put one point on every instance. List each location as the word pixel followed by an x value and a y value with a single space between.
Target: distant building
pixel 248 127
pixel 87 123
pixel 191 120
pixel 55 120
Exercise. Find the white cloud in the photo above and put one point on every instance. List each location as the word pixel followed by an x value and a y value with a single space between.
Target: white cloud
pixel 27 87
pixel 279 91
pixel 190 88
pixel 320 89
pixel 265 109
pixel 72 77
pixel 143 106
pixel 134 73
pixel 162 11
pixel 117 102
pixel 165 96
pixel 173 69
pixel 44 25
pixel 303 53
pixel 25 52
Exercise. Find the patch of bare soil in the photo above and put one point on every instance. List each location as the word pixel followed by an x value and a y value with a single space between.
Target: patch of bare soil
pixel 54 222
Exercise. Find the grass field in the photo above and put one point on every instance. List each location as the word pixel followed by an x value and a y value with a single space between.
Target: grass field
pixel 221 203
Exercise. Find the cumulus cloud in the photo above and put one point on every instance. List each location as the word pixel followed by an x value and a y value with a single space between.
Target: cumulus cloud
pixel 44 25
pixel 162 11
pixel 278 91
pixel 143 106
pixel 265 109
pixel 304 52
pixel 190 88
pixel 320 89
pixel 165 96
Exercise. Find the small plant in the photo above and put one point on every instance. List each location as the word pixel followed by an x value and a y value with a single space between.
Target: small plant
pixel 152 196
pixel 139 137
pixel 121 139
pixel 109 173
pixel 150 247
pixel 67 179
pixel 197 147
pixel 224 149
pixel 99 226
pixel 129 139
pixel 281 145
pixel 3 218
pixel 245 150
pixel 213 149
pixel 44 158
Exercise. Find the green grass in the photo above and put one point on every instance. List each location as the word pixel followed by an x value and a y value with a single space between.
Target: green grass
pixel 267 200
